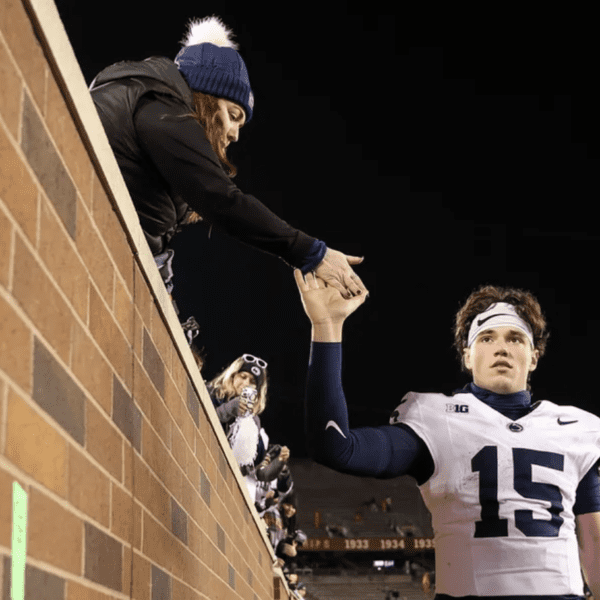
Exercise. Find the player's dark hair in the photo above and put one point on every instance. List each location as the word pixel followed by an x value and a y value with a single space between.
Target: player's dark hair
pixel 525 303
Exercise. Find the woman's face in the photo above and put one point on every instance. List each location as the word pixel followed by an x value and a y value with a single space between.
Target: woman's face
pixel 232 117
pixel 241 380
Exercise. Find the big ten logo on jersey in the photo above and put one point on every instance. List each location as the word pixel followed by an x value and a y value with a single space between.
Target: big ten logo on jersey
pixel 457 408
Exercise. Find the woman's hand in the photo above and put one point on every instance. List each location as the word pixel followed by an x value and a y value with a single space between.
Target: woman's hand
pixel 335 270
pixel 325 306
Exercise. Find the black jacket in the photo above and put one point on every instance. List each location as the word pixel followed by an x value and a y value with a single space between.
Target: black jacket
pixel 170 167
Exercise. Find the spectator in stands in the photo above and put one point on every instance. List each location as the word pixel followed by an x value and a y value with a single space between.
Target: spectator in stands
pixel 301 589
pixel 226 389
pixel 292 579
pixel 288 512
pixel 169 124
pixel 280 520
pixel 288 546
pixel 269 473
pixel 239 394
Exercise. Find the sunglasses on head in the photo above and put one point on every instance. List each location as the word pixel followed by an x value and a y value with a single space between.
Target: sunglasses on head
pixel 253 359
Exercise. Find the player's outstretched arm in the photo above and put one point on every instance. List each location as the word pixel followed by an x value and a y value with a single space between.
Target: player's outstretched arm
pixel 588 536
pixel 385 451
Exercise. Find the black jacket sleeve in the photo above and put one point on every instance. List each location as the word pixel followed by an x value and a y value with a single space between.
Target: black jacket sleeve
pixel 180 151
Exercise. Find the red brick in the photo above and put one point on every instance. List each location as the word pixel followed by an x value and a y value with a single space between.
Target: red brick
pixel 151 404
pixel 41 301
pixel 6 242
pixel 89 487
pixel 95 257
pixel 143 298
pixel 109 337
pixel 16 347
pixel 10 92
pixel 59 254
pixel 122 514
pixel 76 591
pixel 90 367
pixel 123 309
pixel 161 546
pixel 47 164
pixel 68 141
pixel 162 338
pixel 24 46
pixel 34 446
pixel 161 462
pixel 17 188
pixel 104 442
pixel 112 231
pixel 142 578
pixel 150 493
pixel 54 535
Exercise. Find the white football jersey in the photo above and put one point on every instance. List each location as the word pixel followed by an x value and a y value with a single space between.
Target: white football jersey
pixel 502 492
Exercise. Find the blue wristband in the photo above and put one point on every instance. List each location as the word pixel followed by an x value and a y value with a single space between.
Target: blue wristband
pixel 314 257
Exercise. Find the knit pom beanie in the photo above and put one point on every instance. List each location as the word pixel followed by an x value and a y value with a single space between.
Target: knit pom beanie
pixel 210 63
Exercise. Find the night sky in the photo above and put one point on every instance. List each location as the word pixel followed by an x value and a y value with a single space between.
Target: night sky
pixel 445 167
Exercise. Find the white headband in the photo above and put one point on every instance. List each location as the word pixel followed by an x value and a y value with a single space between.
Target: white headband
pixel 498 315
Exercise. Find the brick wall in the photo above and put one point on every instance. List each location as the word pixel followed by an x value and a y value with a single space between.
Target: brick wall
pixel 105 423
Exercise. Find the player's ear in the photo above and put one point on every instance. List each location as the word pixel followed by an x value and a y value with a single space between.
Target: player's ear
pixel 535 357
pixel 467 358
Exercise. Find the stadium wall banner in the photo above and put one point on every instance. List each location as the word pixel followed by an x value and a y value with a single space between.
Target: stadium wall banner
pixel 368 544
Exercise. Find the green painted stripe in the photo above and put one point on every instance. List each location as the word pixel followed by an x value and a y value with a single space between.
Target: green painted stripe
pixel 19 543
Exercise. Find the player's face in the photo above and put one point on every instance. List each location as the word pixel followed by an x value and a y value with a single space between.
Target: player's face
pixel 241 380
pixel 501 359
pixel 233 117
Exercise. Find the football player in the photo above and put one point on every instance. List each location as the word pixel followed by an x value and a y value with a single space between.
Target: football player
pixel 512 485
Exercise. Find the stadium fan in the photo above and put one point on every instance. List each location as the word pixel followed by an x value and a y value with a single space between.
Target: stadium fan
pixel 246 372
pixel 288 546
pixel 169 124
pixel 269 473
pixel 239 394
pixel 512 484
pixel 280 519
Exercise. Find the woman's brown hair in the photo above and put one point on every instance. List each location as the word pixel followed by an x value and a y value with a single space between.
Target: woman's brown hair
pixel 206 114
pixel 525 303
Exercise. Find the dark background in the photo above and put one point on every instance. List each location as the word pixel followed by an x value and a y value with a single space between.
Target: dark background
pixel 446 167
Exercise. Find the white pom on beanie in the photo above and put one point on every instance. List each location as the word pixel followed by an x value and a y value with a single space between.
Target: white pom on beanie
pixel 209 30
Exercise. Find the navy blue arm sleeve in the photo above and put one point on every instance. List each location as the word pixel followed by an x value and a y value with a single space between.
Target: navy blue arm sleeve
pixel 383 452
pixel 587 498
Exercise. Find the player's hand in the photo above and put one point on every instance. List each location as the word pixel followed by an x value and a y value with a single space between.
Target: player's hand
pixel 335 270
pixel 323 303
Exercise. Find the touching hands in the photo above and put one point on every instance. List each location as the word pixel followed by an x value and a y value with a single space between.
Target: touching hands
pixel 325 306
pixel 335 270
